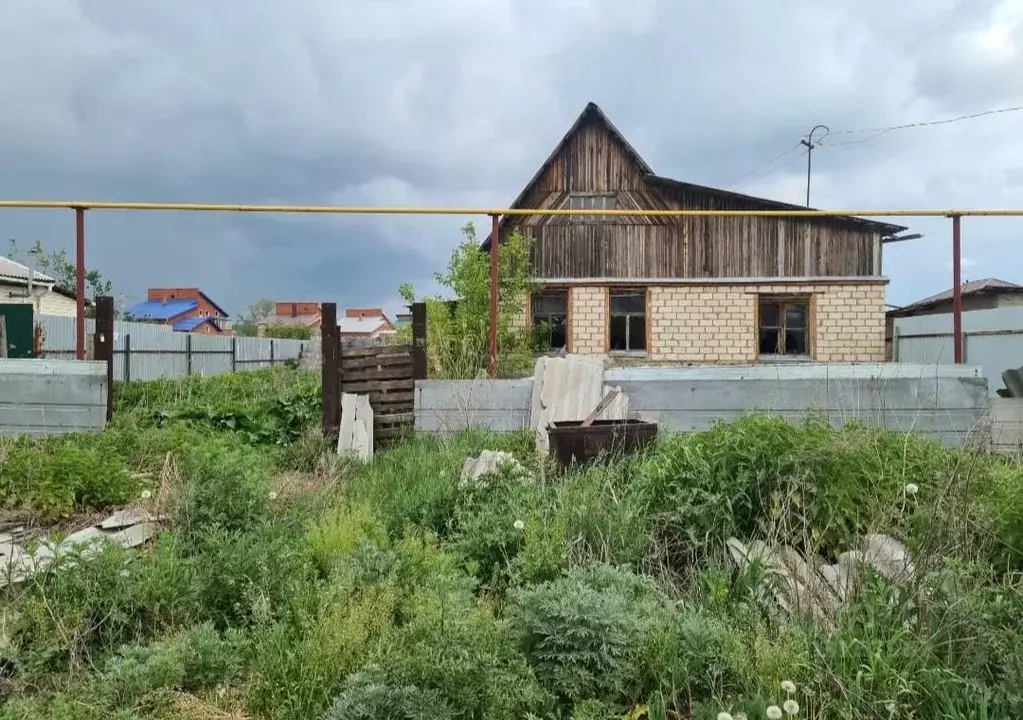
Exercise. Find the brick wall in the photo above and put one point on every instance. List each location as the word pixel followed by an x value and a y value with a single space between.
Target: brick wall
pixel 714 324
pixel 587 308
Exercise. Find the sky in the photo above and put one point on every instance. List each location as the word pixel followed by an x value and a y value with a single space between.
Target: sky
pixel 457 102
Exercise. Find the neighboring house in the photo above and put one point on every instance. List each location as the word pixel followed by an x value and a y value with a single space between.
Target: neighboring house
pixel 183 309
pixel 985 294
pixel 728 290
pixel 365 324
pixel 402 320
pixel 42 292
pixel 295 313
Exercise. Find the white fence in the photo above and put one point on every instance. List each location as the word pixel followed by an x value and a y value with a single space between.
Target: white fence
pixel 143 351
pixel 992 340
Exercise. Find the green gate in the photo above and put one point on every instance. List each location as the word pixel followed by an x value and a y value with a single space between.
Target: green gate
pixel 19 329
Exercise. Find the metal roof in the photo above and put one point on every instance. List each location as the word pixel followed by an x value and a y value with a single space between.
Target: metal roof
pixel 11 269
pixel 156 310
pixel 191 323
pixel 973 287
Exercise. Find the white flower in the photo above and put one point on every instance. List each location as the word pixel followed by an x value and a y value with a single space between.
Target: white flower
pixel 791 707
pixel 911 489
pixel 146 494
pixel 272 495
pixel 774 713
pixel 519 525
pixel 788 687
pixel 724 716
pixel 891 708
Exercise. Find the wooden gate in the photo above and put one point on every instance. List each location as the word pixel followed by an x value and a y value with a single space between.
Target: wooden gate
pixel 386 373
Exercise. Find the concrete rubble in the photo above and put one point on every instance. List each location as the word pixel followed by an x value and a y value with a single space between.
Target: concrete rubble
pixel 489 463
pixel 355 434
pixel 569 388
pixel 820 589
pixel 128 528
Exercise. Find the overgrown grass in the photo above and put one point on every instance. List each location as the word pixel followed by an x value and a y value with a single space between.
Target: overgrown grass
pixel 290 584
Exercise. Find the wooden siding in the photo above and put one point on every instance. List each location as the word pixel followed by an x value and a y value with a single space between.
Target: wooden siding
pixel 595 160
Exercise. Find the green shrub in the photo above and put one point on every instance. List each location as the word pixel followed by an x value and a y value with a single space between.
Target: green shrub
pixel 584 634
pixel 55 475
pixel 342 531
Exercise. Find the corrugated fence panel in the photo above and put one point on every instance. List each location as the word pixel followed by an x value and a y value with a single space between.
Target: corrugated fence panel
pixel 992 341
pixel 143 351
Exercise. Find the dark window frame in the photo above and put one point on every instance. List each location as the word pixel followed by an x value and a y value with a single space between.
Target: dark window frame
pixel 551 317
pixel 591 201
pixel 630 316
pixel 786 333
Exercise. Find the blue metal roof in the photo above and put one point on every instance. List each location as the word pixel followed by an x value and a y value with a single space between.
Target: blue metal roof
pixel 156 310
pixel 191 323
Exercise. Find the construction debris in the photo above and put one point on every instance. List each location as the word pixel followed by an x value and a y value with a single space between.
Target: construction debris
pixel 819 590
pixel 355 434
pixel 567 389
pixel 127 528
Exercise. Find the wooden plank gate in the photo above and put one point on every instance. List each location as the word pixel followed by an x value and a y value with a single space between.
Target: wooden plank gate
pixel 386 373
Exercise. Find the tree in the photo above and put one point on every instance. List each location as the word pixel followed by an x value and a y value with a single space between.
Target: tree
pixel 258 312
pixel 457 340
pixel 57 265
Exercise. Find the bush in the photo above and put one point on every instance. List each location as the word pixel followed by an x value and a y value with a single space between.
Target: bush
pixel 583 634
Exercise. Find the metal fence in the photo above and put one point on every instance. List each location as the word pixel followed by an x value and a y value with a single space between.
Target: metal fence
pixel 992 340
pixel 143 351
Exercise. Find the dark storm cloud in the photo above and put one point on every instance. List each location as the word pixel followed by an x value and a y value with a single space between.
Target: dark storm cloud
pixel 456 102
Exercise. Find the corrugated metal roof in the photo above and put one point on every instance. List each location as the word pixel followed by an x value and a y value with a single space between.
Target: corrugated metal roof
pixel 16 271
pixel 191 323
pixel 972 287
pixel 157 310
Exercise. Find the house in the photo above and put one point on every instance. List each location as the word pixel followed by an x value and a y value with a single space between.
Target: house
pixel 295 313
pixel 42 292
pixel 728 290
pixel 985 294
pixel 402 320
pixel 183 309
pixel 365 324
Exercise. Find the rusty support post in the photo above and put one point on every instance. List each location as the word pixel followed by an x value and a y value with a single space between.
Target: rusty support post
pixel 104 344
pixel 80 283
pixel 495 244
pixel 330 370
pixel 957 292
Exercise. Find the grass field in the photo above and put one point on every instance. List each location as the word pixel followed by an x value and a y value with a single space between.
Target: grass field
pixel 292 584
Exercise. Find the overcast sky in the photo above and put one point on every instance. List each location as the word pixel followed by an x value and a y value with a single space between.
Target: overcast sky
pixel 457 102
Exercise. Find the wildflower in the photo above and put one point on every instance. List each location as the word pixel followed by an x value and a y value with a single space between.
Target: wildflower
pixel 791 707
pixel 724 716
pixel 519 525
pixel 891 708
pixel 272 495
pixel 774 713
pixel 788 687
pixel 911 489
pixel 146 494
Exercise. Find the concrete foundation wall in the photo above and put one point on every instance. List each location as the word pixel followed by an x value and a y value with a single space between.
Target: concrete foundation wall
pixel 947 403
pixel 1007 425
pixel 51 397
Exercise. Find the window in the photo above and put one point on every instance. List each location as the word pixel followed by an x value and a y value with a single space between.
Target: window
pixel 627 324
pixel 590 202
pixel 784 326
pixel 550 318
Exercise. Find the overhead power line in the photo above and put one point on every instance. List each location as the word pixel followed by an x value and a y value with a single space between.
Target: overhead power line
pixel 874 133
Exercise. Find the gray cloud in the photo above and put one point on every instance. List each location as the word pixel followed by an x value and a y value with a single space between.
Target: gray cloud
pixel 456 102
